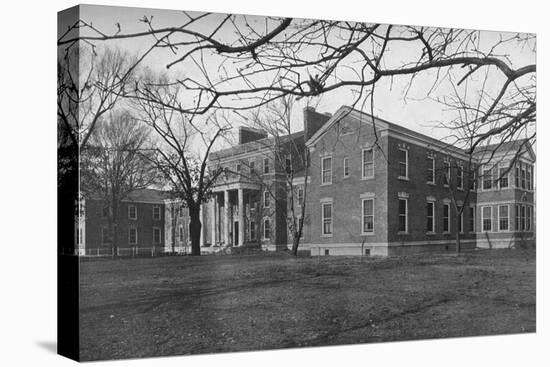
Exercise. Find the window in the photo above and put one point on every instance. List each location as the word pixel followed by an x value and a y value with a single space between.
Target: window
pixel 80 236
pixel 181 234
pixel 487 213
pixel 461 220
pixel 288 165
pixel 252 230
pixel 267 229
pixel 156 213
pixel 368 216
pixel 517 174
pixel 267 200
pixel 251 167
pixel 446 173
pixel 430 223
pixel 266 165
pixel 459 177
pixel 529 177
pixel 446 218
pixel 300 195
pixel 529 218
pixel 132 212
pixel 181 211
pixel 132 236
pixel 326 170
pixel 503 218
pixel 346 167
pixel 156 236
pixel 326 211
pixel 403 212
pixel 104 235
pixel 523 177
pixel 368 163
pixel 430 171
pixel 487 179
pixel 403 163
pixel 518 218
pixel 105 212
pixel 523 221
pixel 472 219
pixel 503 177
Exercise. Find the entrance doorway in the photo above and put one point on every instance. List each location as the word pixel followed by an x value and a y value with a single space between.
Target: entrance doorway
pixel 236 234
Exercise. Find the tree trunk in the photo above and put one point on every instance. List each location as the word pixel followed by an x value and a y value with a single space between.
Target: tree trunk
pixel 295 244
pixel 195 226
pixel 457 245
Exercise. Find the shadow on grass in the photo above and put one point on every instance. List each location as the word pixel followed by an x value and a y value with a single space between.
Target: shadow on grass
pixel 48 345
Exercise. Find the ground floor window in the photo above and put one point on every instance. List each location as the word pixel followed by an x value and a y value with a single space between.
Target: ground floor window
pixel 326 211
pixel 446 218
pixel 132 236
pixel 503 218
pixel 472 219
pixel 181 234
pixel 156 236
pixel 529 218
pixel 252 230
pixel 523 221
pixel 461 220
pixel 518 218
pixel 487 213
pixel 430 224
pixel 403 211
pixel 104 235
pixel 368 215
pixel 267 229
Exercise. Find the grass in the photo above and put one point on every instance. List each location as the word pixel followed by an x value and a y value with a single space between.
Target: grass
pixel 187 305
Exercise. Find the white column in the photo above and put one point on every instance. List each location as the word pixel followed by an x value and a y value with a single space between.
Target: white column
pixel 213 221
pixel 226 220
pixel 241 217
pixel 201 216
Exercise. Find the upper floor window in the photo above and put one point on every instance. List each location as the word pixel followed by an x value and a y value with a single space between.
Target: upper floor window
pixel 523 177
pixel 326 170
pixel 156 212
pixel 251 167
pixel 326 220
pixel 368 216
pixel 266 165
pixel 447 173
pixel 503 177
pixel 288 165
pixel 460 177
pixel 403 163
pixel 300 195
pixel 346 167
pixel 487 179
pixel 517 175
pixel 267 200
pixel 368 163
pixel 529 177
pixel 430 170
pixel 132 212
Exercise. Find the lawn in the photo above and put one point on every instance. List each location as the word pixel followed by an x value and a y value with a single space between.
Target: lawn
pixel 188 305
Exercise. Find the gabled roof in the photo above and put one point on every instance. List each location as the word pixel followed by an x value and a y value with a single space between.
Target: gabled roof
pixel 142 196
pixel 513 146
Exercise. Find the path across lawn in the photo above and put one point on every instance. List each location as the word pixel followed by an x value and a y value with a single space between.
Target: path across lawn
pixel 188 305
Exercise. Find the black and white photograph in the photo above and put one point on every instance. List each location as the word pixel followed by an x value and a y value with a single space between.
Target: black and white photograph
pixel 230 182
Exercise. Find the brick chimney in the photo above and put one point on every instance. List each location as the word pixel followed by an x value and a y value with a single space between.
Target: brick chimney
pixel 313 121
pixel 248 134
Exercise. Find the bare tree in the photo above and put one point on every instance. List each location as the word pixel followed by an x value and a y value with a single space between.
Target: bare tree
pixel 185 143
pixel 116 163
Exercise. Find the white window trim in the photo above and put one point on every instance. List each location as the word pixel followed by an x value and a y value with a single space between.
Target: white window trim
pixel 129 236
pixel 250 237
pixel 160 236
pixel 447 173
pixel 433 217
pixel 363 233
pixel 406 231
pixel 406 177
pixel 251 166
pixel 473 219
pixel 160 214
pixel 266 165
pixel 346 164
pixel 448 218
pixel 505 166
pixel 363 175
pixel 498 215
pixel 483 189
pixel 483 219
pixel 432 182
pixel 323 234
pixel 461 187
pixel 129 211
pixel 264 238
pixel 322 170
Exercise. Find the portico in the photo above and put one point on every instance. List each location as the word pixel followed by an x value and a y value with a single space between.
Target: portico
pixel 232 209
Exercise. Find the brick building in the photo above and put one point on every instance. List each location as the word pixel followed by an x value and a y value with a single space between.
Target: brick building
pixel 141 221
pixel 378 189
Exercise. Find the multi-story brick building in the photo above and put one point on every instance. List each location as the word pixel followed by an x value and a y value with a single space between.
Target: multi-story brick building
pixel 141 223
pixel 373 187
